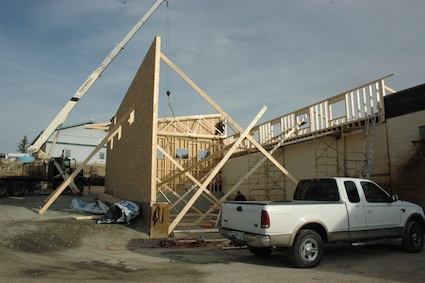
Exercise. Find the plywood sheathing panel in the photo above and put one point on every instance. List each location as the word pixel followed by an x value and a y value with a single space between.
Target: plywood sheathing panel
pixel 131 166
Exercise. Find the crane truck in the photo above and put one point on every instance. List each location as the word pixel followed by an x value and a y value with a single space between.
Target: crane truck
pixel 41 174
pixel 47 171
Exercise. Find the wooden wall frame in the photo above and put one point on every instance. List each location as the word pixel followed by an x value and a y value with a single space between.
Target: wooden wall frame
pixel 132 166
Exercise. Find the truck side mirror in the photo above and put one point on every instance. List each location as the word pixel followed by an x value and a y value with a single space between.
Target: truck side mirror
pixel 394 197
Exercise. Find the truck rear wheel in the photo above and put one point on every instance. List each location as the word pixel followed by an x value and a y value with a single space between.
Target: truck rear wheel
pixel 307 250
pixel 31 187
pixel 413 238
pixel 18 188
pixel 4 188
pixel 260 251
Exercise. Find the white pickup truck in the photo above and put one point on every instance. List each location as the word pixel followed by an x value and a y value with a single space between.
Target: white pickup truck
pixel 325 210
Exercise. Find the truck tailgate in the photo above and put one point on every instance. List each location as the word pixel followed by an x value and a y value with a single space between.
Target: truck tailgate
pixel 243 216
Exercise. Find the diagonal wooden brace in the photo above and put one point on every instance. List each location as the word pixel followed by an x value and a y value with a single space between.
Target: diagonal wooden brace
pixel 215 171
pixel 250 172
pixel 53 196
pixel 228 118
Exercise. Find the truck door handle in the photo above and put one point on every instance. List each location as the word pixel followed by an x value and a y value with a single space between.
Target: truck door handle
pixel 239 208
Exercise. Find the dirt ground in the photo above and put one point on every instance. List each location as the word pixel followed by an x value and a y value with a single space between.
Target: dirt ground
pixel 54 247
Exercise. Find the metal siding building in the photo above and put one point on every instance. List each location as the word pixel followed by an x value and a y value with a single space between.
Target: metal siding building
pixel 77 142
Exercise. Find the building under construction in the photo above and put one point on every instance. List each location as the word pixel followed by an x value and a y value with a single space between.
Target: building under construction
pixel 172 165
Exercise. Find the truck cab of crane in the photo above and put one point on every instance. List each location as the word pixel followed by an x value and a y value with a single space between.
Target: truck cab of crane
pixel 66 167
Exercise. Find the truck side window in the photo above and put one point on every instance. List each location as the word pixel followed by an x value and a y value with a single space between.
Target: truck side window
pixel 317 190
pixel 352 193
pixel 373 193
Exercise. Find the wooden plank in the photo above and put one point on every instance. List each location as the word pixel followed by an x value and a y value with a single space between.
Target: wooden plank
pixel 229 119
pixel 199 163
pixel 191 117
pixel 108 198
pixel 250 172
pixel 187 173
pixel 180 198
pixel 198 231
pixel 215 171
pixel 55 194
pixel 200 92
pixel 191 135
pixel 154 131
pixel 98 126
pixel 88 217
pixel 272 159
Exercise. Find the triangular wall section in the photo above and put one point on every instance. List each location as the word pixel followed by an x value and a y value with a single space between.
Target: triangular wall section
pixel 131 166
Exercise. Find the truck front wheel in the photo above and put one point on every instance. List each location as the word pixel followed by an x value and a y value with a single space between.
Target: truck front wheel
pixel 18 188
pixel 413 239
pixel 307 250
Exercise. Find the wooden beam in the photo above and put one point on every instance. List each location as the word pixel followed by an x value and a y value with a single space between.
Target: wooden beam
pixel 55 194
pixel 186 173
pixel 98 126
pixel 272 159
pixel 215 171
pixel 250 172
pixel 180 198
pixel 108 198
pixel 199 163
pixel 229 119
pixel 200 92
pixel 190 135
pixel 191 117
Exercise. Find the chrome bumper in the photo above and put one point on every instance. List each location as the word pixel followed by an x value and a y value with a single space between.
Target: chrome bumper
pixel 243 238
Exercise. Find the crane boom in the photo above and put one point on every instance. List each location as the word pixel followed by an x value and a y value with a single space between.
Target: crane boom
pixel 63 114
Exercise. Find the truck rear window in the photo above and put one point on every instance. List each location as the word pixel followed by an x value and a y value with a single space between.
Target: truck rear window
pixel 317 190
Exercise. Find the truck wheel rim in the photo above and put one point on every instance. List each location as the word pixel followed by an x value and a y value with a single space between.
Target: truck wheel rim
pixel 309 250
pixel 416 239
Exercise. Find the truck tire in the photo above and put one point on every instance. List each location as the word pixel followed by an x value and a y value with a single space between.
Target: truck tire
pixel 260 251
pixel 307 250
pixel 4 188
pixel 31 187
pixel 413 238
pixel 18 188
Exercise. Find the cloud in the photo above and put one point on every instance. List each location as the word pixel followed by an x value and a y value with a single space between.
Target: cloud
pixel 243 54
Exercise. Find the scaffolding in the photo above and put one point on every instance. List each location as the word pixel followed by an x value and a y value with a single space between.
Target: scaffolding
pixel 327 122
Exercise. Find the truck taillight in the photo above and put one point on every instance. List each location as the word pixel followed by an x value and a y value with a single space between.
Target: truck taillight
pixel 265 219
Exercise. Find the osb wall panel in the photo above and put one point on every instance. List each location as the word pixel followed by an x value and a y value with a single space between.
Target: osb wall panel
pixel 131 166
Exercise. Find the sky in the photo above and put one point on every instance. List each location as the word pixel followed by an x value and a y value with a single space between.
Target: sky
pixel 244 55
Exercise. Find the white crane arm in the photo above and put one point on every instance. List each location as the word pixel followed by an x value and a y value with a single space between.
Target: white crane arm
pixel 63 114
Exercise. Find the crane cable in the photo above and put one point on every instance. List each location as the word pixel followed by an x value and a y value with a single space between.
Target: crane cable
pixel 167 68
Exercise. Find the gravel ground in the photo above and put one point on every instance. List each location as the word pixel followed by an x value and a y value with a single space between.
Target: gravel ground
pixel 54 247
